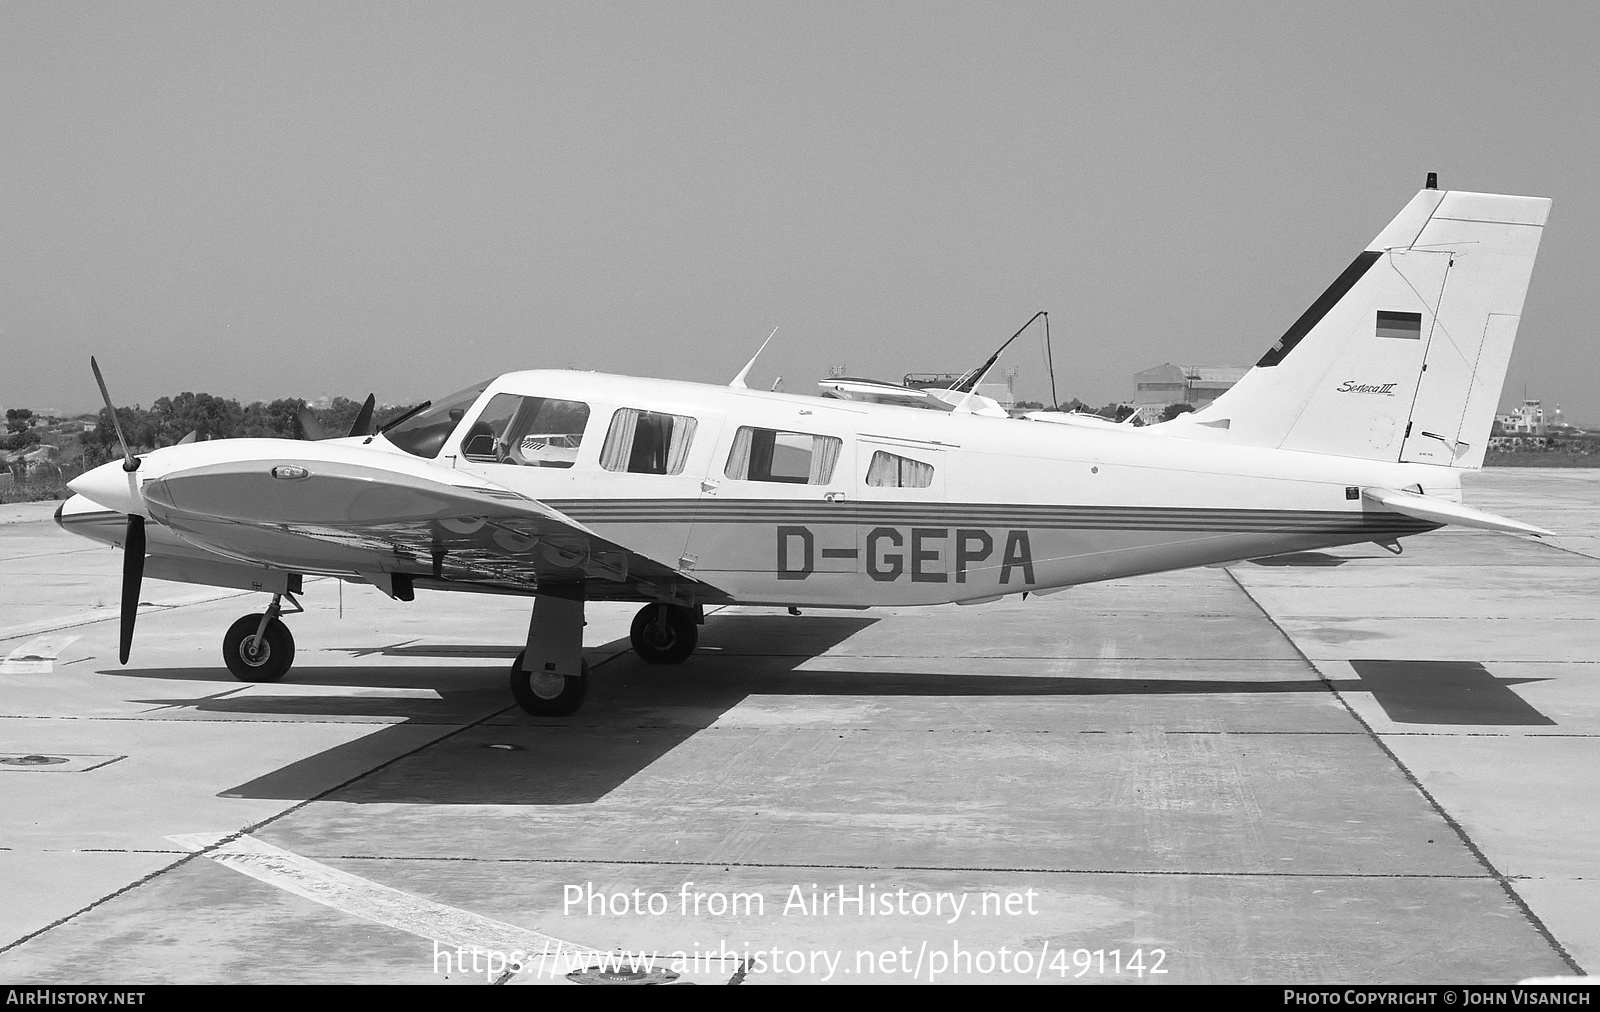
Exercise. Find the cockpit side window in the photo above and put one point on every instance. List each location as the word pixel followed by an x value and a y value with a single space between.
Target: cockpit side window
pixel 425 432
pixel 794 458
pixel 530 431
pixel 647 442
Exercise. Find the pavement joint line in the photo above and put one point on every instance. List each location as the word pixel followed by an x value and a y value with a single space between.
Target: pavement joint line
pixel 1391 617
pixel 1564 548
pixel 144 609
pixel 627 862
pixel 206 852
pixel 1481 734
pixel 98 850
pixel 384 721
pixel 50 555
pixel 1023 657
pixel 83 620
pixel 1460 830
pixel 1498 660
pixel 413 722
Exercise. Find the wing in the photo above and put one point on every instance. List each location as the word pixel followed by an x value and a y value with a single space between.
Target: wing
pixel 342 518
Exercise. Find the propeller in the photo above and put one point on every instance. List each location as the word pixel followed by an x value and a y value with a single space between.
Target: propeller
pixel 133 539
pixel 362 426
pixel 132 575
pixel 309 425
pixel 130 463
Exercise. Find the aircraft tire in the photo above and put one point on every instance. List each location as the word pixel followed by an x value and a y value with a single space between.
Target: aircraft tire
pixel 565 702
pixel 267 666
pixel 674 647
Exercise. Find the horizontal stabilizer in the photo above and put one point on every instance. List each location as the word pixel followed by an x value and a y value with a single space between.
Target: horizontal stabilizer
pixel 1443 511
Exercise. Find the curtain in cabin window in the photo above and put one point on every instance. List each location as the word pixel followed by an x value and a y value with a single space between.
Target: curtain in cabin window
pixel 682 436
pixel 647 442
pixel 824 455
pixel 890 470
pixel 739 457
pixel 618 446
pixel 777 455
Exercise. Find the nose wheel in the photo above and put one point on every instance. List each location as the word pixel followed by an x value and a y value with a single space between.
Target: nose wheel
pixel 260 648
pixel 664 633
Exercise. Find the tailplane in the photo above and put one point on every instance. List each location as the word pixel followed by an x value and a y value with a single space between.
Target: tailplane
pixel 1403 357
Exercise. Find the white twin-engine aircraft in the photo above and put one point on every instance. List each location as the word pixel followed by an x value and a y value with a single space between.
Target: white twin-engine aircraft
pixel 569 487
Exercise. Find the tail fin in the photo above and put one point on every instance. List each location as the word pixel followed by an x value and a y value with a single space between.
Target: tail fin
pixel 1402 358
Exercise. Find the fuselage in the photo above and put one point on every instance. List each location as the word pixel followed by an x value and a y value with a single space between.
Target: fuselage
pixel 782 499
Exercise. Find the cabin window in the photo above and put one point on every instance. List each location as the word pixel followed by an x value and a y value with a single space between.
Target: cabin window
pixel 647 442
pixel 530 431
pixel 890 470
pixel 796 458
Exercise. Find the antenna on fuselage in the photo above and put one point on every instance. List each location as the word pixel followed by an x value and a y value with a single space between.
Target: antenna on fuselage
pixel 738 381
pixel 968 383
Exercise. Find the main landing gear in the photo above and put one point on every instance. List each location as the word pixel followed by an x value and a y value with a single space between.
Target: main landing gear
pixel 665 633
pixel 550 678
pixel 259 648
pixel 546 693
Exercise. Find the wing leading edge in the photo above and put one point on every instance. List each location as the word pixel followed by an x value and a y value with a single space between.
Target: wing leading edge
pixel 341 518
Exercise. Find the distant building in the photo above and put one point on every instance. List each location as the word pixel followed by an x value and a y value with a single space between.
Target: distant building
pixel 1526 420
pixel 1194 385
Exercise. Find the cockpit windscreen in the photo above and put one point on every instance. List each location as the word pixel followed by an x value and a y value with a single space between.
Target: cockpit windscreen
pixel 424 433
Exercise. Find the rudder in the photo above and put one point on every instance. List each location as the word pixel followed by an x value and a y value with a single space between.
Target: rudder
pixel 1403 357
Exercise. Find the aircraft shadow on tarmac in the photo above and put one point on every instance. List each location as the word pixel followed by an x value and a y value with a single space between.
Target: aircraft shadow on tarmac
pixel 1305 559
pixel 637 713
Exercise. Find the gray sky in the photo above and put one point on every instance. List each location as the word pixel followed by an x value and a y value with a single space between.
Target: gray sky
pixel 262 200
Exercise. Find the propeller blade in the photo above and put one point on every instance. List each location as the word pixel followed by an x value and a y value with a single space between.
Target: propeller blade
pixel 363 423
pixel 129 461
pixel 309 425
pixel 132 576
pixel 193 433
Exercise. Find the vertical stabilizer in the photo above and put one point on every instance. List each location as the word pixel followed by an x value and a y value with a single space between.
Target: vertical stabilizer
pixel 1402 358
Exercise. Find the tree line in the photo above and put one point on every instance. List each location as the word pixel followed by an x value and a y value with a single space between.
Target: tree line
pixel 170 419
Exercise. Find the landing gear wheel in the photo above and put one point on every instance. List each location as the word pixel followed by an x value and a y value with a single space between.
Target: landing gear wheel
pixel 544 694
pixel 664 634
pixel 250 661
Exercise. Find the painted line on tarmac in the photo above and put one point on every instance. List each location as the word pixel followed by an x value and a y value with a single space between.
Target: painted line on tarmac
pixel 450 927
pixel 209 595
pixel 35 657
pixel 83 618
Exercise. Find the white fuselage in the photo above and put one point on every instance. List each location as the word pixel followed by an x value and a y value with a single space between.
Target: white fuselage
pixel 999 506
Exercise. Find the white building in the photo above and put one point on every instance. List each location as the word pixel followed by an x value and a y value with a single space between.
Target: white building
pixel 1526 420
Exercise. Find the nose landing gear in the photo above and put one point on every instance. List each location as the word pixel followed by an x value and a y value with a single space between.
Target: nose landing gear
pixel 664 633
pixel 259 648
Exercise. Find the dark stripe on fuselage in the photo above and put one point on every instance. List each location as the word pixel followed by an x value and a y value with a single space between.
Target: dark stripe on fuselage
pixel 1043 517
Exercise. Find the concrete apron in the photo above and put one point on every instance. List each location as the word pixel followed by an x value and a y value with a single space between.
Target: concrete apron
pixel 1260 774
